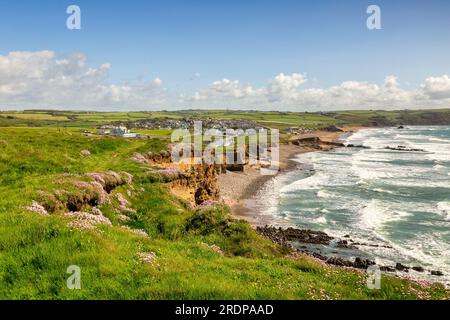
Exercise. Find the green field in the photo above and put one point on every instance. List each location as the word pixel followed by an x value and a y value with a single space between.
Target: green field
pixel 273 119
pixel 35 250
pixel 74 119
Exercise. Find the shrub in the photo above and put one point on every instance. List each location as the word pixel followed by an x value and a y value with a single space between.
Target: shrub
pixel 210 220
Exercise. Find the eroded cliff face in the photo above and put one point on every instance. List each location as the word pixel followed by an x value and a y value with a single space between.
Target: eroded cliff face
pixel 195 183
pixel 200 182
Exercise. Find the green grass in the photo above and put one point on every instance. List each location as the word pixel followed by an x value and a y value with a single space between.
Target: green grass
pixel 34 116
pixel 35 251
pixel 156 133
pixel 273 119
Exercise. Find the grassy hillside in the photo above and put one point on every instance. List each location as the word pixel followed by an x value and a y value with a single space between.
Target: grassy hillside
pixel 36 250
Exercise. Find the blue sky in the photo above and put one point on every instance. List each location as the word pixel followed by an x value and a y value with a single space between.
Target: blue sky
pixel 250 41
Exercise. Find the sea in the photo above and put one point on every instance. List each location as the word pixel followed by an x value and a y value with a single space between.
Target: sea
pixel 395 202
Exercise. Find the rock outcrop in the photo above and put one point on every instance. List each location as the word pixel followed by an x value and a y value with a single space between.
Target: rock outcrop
pixel 290 234
pixel 196 183
pixel 404 148
pixel 286 238
pixel 201 181
pixel 332 128
pixel 77 193
pixel 315 143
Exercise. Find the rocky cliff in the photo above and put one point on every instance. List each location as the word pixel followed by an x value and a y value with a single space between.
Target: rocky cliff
pixel 195 183
pixel 201 183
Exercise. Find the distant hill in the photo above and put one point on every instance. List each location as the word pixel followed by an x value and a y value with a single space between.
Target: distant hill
pixel 274 119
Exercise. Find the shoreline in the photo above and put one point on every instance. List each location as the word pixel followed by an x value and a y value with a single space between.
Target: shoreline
pixel 237 189
pixel 280 232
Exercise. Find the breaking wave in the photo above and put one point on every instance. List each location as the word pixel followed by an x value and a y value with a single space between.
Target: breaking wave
pixel 399 198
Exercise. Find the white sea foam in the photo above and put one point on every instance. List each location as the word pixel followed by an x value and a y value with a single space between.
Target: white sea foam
pixel 417 183
pixel 320 220
pixel 324 194
pixel 439 167
pixel 383 190
pixel 444 209
pixel 439 140
pixel 312 182
pixel 354 191
pixel 373 215
pixel 439 156
pixel 376 214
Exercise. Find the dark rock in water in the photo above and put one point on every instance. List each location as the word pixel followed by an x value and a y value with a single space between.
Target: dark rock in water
pixel 387 269
pixel 285 237
pixel 418 269
pixel 292 234
pixel 400 127
pixel 315 255
pixel 371 245
pixel 379 246
pixel 332 143
pixel 358 263
pixel 345 245
pixel 275 235
pixel 362 263
pixel 401 267
pixel 339 262
pixel 307 236
pixel 437 273
pixel 403 148
pixel 342 244
pixel 351 145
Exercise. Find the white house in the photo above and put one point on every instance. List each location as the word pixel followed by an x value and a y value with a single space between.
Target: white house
pixel 123 132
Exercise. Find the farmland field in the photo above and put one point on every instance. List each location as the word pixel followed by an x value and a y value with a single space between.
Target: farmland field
pixel 280 120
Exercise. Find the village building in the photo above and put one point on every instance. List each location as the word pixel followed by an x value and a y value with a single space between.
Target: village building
pixel 123 132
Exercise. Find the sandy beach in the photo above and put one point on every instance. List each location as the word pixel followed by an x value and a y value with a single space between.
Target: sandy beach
pixel 238 188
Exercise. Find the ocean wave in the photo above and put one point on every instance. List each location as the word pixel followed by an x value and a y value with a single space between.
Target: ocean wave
pixel 312 182
pixel 444 209
pixel 419 183
pixel 439 156
pixel 377 214
pixel 364 174
pixel 375 195
pixel 439 140
pixel 320 220
pixel 324 194
pixel 380 190
pixel 439 167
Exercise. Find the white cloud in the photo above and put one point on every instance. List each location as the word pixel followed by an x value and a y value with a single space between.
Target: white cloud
pixel 391 82
pixel 437 87
pixel 285 92
pixel 43 80
pixel 285 86
pixel 230 88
